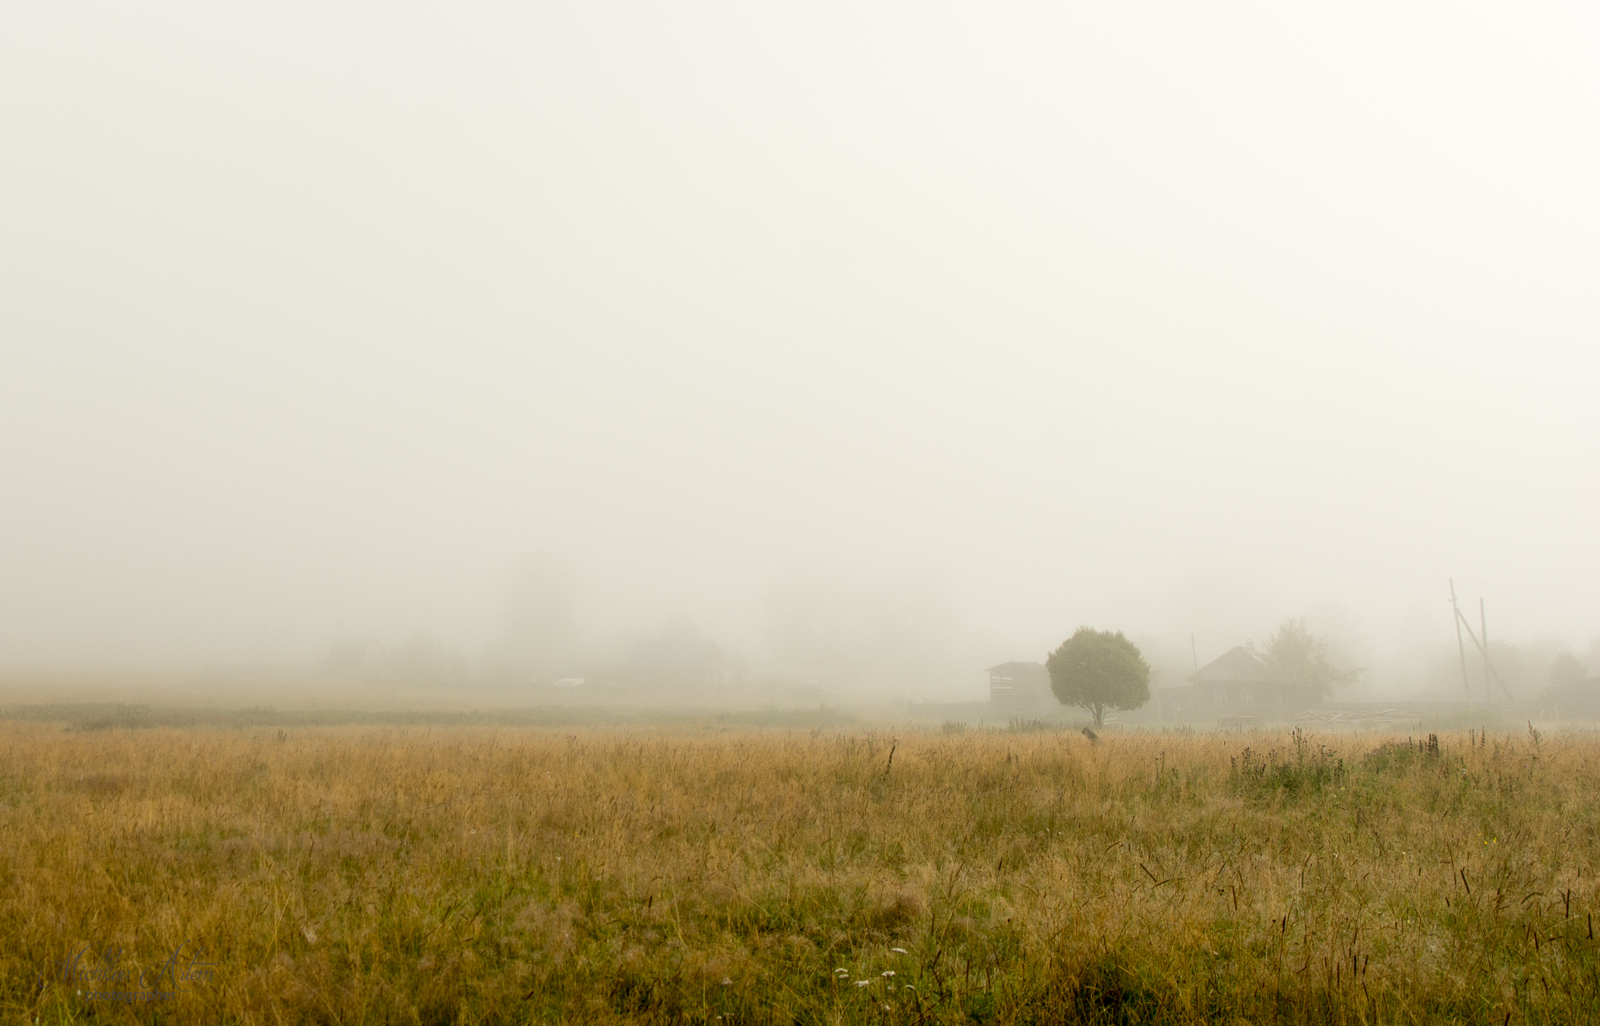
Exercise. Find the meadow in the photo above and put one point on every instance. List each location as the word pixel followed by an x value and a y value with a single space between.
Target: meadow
pixel 413 874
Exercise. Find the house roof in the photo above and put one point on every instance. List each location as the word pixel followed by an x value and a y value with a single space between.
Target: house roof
pixel 1017 669
pixel 676 652
pixel 1239 665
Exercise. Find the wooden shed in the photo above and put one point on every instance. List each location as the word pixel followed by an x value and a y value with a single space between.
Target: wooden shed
pixel 1021 687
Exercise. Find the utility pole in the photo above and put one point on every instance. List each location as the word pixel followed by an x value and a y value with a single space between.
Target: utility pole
pixel 1483 632
pixel 1194 653
pixel 1461 646
pixel 1482 644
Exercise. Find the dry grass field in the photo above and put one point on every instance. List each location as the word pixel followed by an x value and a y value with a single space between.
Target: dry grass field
pixel 363 874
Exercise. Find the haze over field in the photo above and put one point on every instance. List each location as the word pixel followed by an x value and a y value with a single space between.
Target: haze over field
pixel 911 336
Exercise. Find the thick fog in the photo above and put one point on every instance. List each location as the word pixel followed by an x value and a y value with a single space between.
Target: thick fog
pixel 871 343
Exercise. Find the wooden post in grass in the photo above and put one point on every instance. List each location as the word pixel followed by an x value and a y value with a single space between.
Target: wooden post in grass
pixel 1461 646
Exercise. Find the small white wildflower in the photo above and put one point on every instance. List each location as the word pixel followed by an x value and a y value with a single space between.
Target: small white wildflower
pixel 863 983
pixel 726 982
pixel 841 972
pixel 898 951
pixel 888 972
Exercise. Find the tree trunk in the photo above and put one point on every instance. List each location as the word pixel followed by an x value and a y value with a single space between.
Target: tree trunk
pixel 1099 715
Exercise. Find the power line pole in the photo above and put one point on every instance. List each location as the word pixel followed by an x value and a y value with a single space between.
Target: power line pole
pixel 1481 644
pixel 1483 632
pixel 1461 646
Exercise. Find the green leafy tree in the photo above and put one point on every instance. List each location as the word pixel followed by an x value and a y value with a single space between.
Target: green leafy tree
pixel 1301 658
pixel 1099 670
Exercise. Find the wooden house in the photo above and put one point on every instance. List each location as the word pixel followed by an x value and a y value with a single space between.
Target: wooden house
pixel 1238 683
pixel 1021 688
pixel 677 665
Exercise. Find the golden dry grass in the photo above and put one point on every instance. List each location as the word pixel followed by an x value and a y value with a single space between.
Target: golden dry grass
pixel 371 875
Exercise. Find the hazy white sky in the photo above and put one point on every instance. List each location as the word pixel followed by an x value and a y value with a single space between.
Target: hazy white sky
pixel 1161 317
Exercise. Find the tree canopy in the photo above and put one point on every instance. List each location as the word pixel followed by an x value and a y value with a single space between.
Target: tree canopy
pixel 1566 669
pixel 1099 670
pixel 1301 659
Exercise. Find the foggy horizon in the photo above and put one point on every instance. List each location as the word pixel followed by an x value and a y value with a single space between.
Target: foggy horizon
pixel 924 336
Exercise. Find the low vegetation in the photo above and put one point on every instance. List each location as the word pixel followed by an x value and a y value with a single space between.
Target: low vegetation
pixel 369 874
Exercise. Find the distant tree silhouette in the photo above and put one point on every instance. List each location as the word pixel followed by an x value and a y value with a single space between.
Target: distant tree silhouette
pixel 1566 669
pixel 1301 659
